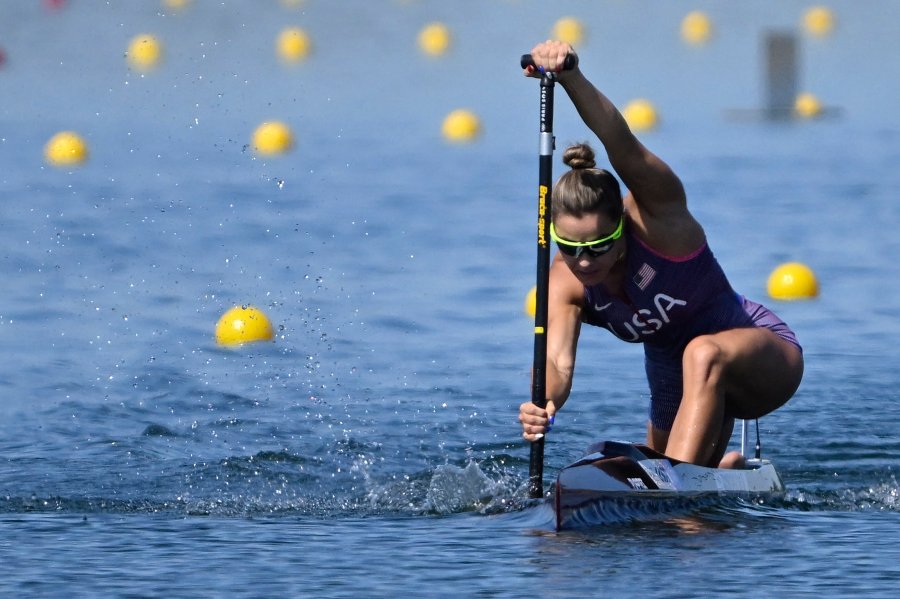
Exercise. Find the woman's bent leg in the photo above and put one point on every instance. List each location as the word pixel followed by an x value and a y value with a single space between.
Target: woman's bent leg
pixel 739 373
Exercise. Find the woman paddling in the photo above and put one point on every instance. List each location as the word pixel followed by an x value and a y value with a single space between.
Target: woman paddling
pixel 641 267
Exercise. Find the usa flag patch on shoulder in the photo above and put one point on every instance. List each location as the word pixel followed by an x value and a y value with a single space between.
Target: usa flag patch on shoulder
pixel 644 276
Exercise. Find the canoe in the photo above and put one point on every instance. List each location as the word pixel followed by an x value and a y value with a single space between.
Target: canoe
pixel 616 480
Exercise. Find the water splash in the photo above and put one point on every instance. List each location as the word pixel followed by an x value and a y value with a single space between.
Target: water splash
pixel 884 496
pixel 453 489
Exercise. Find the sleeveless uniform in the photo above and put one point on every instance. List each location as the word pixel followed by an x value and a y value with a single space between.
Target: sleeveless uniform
pixel 669 301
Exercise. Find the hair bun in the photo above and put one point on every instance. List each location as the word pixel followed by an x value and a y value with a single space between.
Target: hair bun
pixel 579 156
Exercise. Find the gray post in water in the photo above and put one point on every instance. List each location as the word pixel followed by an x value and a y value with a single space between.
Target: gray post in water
pixel 781 73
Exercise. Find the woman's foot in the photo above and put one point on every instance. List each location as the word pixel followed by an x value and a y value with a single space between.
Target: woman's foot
pixel 733 460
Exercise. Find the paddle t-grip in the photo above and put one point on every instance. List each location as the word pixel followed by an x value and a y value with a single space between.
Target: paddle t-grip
pixel 570 62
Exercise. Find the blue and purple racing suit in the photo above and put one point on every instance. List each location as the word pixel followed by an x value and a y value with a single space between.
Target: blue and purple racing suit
pixel 669 301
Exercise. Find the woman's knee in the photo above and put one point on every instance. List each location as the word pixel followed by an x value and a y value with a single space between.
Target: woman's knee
pixel 704 355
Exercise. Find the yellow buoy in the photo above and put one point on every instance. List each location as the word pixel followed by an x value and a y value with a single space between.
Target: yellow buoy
pixel 66 148
pixel 569 30
pixel 176 4
pixel 434 39
pixel 792 281
pixel 461 126
pixel 807 106
pixel 818 21
pixel 293 45
pixel 531 302
pixel 640 115
pixel 243 324
pixel 272 138
pixel 144 52
pixel 696 28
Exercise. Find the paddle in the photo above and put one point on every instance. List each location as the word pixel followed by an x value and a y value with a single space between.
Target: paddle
pixel 545 184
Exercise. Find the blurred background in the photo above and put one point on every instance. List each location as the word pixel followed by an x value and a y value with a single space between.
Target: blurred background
pixel 220 72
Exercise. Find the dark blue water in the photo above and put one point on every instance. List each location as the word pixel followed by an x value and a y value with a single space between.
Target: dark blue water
pixel 373 447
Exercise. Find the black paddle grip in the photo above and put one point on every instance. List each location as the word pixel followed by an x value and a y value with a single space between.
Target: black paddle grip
pixel 569 63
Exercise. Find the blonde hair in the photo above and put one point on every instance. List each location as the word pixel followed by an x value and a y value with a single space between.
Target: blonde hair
pixel 586 189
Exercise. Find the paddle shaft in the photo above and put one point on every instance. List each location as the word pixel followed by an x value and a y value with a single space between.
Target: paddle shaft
pixel 545 184
pixel 539 369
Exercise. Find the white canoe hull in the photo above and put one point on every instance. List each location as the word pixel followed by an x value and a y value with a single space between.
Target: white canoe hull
pixel 616 477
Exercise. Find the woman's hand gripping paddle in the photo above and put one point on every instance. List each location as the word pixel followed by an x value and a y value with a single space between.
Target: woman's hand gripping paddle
pixel 545 184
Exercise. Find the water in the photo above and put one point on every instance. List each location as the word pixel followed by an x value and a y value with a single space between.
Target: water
pixel 373 448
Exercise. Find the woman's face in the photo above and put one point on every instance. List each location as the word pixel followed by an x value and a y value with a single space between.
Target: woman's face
pixel 590 262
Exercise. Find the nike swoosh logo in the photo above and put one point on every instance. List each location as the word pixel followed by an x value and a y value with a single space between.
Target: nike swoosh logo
pixel 603 307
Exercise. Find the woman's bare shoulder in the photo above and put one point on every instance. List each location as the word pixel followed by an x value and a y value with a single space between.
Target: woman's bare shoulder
pixel 565 287
pixel 672 232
